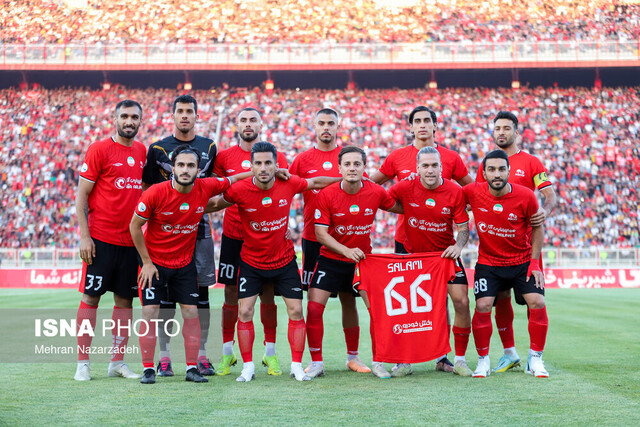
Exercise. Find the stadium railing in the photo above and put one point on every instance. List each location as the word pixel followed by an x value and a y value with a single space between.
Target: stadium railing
pixel 552 257
pixel 324 55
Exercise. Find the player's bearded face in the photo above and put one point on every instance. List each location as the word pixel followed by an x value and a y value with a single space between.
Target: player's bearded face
pixel 128 122
pixel 496 172
pixel 429 169
pixel 352 167
pixel 184 117
pixel 326 127
pixel 264 167
pixel 185 169
pixel 504 133
pixel 249 125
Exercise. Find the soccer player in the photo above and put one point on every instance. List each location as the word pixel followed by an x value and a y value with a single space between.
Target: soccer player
pixel 432 205
pixel 158 169
pixel 402 162
pixel 229 161
pixel 526 170
pixel 508 257
pixel 108 190
pixel 173 210
pixel 322 160
pixel 267 256
pixel 344 217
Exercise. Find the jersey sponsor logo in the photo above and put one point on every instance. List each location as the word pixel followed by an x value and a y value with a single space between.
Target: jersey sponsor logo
pixel 341 229
pixel 131 161
pixel 282 202
pixel 200 209
pixel 84 168
pixel 317 214
pixel 417 326
pixel 520 172
pixel 512 217
pixel 327 166
pixel 446 211
pixel 246 164
pixel 482 227
pixel 142 207
pixel 413 222
pixel 120 183
pixel 255 225
pixel 438 227
pixel 354 209
pixel 430 203
pixel 184 207
pixel 266 202
pixel 508 233
pixel 167 227
pixel 368 211
pixel 497 208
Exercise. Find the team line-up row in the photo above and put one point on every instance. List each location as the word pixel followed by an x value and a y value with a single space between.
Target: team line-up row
pixel 169 189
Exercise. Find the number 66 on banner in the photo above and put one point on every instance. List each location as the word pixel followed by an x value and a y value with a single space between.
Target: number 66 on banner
pixel 415 290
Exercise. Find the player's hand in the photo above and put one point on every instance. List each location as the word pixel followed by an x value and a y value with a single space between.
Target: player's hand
pixel 87 250
pixel 283 174
pixel 354 254
pixel 146 275
pixel 452 252
pixel 535 271
pixel 539 218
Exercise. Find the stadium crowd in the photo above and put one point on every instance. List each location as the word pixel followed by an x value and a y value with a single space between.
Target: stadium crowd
pixel 338 21
pixel 585 138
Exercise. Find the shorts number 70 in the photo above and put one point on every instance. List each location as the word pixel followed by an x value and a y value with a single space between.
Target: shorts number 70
pixel 415 290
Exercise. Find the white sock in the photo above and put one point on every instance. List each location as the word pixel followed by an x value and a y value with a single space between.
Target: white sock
pixel 535 353
pixel 270 349
pixel 84 362
pixel 376 363
pixel 227 348
pixel 510 351
pixel 350 357
pixel 317 363
pixel 296 365
pixel 248 366
pixel 153 369
pixel 191 366
pixel 202 353
pixel 165 353
pixel 440 358
pixel 458 358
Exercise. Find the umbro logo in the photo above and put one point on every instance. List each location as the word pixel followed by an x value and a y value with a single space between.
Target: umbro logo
pixel 338 214
pixel 482 210
pixel 415 205
pixel 117 164
pixel 230 170
pixel 312 171
pixel 251 210
pixel 166 213
pixel 407 171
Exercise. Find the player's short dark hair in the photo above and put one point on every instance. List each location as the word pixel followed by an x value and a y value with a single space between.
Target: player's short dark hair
pixel 352 149
pixel 495 154
pixel 250 109
pixel 428 150
pixel 434 117
pixel 330 111
pixel 185 99
pixel 507 115
pixel 126 104
pixel 264 147
pixel 184 149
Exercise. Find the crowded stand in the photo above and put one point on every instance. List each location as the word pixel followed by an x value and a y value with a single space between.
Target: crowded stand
pixel 585 137
pixel 337 21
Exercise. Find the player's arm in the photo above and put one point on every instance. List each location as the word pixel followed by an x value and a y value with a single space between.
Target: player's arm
pixel 216 204
pixel 87 246
pixel 454 251
pixel 239 176
pixel 320 182
pixel 379 178
pixel 323 236
pixel 550 201
pixel 465 180
pixel 148 270
pixel 537 238
pixel 396 208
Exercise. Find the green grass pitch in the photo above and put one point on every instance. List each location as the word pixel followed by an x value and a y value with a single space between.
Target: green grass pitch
pixel 592 354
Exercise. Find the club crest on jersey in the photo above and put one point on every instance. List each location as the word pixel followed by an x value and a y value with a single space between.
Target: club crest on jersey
pixel 446 211
pixel 130 161
pixel 430 203
pixel 282 202
pixel 142 207
pixel 497 208
pixel 246 164
pixel 84 168
pixel 512 217
pixel 482 227
pixel 266 202
pixel 317 214
pixel 354 209
pixel 184 207
pixel 327 166
pixel 120 183
pixel 520 172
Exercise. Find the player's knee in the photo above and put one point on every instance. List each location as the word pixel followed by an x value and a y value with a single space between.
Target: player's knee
pixel 189 311
pixel 92 300
pixel 245 314
pixel 484 306
pixel 460 303
pixel 295 312
pixel 122 302
pixel 535 301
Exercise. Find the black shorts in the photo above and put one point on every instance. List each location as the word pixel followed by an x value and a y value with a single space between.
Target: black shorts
pixel 334 276
pixel 175 284
pixel 205 264
pixel 114 268
pixel 310 254
pixel 489 280
pixel 229 261
pixel 286 280
pixel 461 276
pixel 400 248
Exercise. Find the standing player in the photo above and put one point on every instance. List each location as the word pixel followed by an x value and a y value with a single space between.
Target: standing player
pixel 526 170
pixel 267 256
pixel 174 210
pixel 508 257
pixel 322 160
pixel 158 169
pixel 109 187
pixel 402 163
pixel 233 160
pixel 432 205
pixel 344 218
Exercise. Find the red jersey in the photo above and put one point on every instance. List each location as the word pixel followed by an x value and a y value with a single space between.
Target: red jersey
pixel 430 214
pixel 524 169
pixel 402 163
pixel 174 217
pixel 503 223
pixel 229 162
pixel 310 164
pixel 408 305
pixel 116 172
pixel 350 216
pixel 264 215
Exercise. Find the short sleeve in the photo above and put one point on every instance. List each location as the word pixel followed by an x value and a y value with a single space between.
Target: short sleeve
pixel 387 168
pixel 459 168
pixel 92 166
pixel 322 215
pixel 386 201
pixel 144 209
pixel 460 215
pixel 215 186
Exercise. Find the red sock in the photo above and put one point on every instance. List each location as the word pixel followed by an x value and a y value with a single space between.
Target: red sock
pixel 246 336
pixel 191 335
pixel 538 326
pixel 229 319
pixel 297 334
pixel 120 334
pixel 352 338
pixel 269 318
pixel 85 312
pixel 461 340
pixel 504 322
pixel 315 329
pixel 482 330
pixel 148 340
